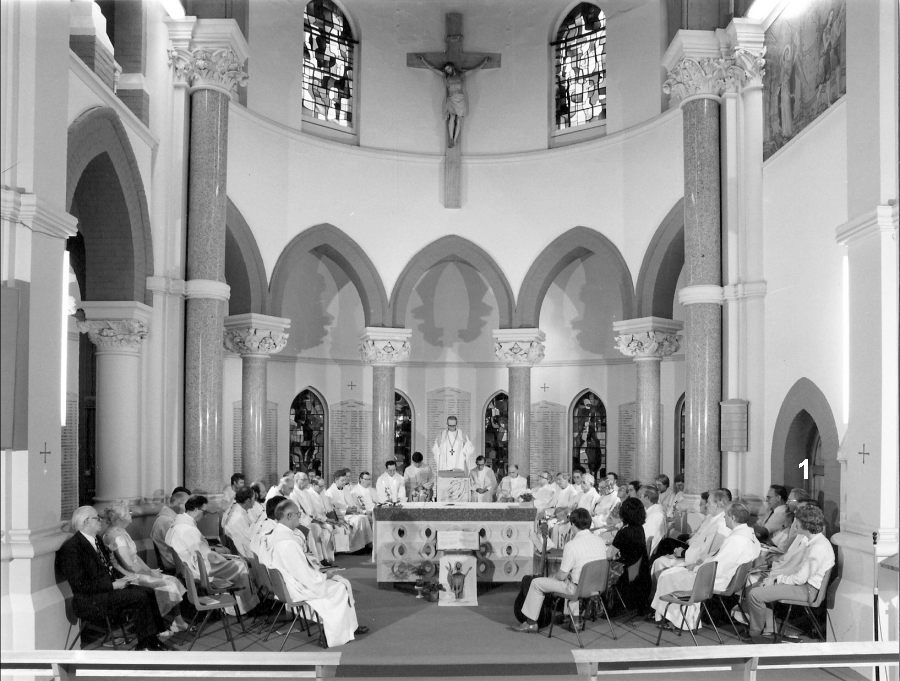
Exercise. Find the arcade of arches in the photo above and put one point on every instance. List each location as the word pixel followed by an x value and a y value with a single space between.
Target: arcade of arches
pixel 199 272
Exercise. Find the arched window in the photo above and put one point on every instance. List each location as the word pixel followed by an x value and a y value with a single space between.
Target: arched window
pixel 403 429
pixel 496 433
pixel 589 433
pixel 307 432
pixel 680 409
pixel 580 68
pixel 328 52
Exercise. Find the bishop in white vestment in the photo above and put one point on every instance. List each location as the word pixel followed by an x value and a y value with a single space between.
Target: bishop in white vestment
pixel 453 450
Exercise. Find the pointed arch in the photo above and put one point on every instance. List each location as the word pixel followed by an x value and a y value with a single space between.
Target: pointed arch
pixel 663 262
pixel 102 165
pixel 330 241
pixel 578 242
pixel 245 257
pixel 452 248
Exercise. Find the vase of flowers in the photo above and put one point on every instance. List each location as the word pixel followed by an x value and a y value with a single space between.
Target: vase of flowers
pixel 432 591
pixel 527 499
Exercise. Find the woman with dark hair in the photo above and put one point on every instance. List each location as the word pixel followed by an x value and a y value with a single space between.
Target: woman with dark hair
pixel 632 546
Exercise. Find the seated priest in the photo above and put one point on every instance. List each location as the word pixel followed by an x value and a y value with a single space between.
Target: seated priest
pixel 265 525
pixel 262 544
pixel 482 482
pixel 390 487
pixel 186 540
pixel 608 499
pixel 331 597
pixel 348 512
pixel 284 487
pixel 513 486
pixel 237 481
pixel 666 494
pixel 84 562
pixel 587 501
pixel 741 546
pixel 566 501
pixel 419 479
pixel 656 525
pixel 798 576
pixel 315 518
pixel 163 522
pixel 582 549
pixel 364 495
pixel 703 543
pixel 236 523
pixel 544 494
pixel 259 500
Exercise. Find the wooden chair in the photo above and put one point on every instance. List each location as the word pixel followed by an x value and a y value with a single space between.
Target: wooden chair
pixel 735 588
pixel 87 625
pixel 592 582
pixel 808 607
pixel 283 595
pixel 704 583
pixel 205 604
pixel 215 587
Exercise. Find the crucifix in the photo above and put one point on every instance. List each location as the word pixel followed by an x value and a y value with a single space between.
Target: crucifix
pixel 864 453
pixel 545 387
pixel 452 65
pixel 46 453
pixel 351 385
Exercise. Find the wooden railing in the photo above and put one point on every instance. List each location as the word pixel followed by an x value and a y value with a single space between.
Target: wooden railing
pixel 736 658
pixel 63 664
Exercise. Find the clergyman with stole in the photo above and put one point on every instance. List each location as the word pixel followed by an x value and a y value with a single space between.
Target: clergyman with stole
pixel 454 452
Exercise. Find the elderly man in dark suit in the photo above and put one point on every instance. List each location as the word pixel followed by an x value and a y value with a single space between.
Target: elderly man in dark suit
pixel 84 562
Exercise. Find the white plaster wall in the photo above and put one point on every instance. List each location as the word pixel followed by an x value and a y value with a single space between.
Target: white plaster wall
pixel 510 109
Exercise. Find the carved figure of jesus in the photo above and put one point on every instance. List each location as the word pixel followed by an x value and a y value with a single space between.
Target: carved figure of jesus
pixel 456 105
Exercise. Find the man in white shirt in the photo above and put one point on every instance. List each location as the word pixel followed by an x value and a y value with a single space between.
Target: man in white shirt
pixel 314 517
pixel 331 597
pixel 390 487
pixel 186 540
pixel 236 523
pixel 419 479
pixel 777 518
pixel 237 481
pixel 513 486
pixel 544 494
pixel 666 495
pixel 482 482
pixel 608 500
pixel 364 495
pixel 283 488
pixel 738 548
pixel 655 525
pixel 704 542
pixel 163 522
pixel 347 511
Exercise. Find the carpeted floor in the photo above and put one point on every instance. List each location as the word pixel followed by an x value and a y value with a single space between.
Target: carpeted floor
pixel 412 638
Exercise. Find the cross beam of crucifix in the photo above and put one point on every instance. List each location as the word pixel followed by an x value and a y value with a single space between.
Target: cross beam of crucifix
pixel 456 103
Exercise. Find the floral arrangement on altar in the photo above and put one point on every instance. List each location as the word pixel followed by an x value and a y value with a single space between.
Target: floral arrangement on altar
pixel 527 496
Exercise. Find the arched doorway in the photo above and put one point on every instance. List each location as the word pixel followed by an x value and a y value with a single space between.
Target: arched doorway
pixel 589 432
pixel 496 433
pixel 404 428
pixel 308 425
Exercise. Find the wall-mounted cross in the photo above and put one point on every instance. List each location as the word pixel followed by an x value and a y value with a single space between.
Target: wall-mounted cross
pixel 45 452
pixel 545 387
pixel 456 103
pixel 864 453
pixel 351 385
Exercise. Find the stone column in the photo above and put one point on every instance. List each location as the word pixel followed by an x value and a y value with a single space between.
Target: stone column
pixel 254 337
pixel 117 329
pixel 648 340
pixel 383 349
pixel 519 349
pixel 212 66
pixel 698 75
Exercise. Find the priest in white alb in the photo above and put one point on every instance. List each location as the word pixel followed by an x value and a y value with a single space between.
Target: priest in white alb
pixel 347 511
pixel 453 450
pixel 390 487
pixel 314 517
pixel 513 486
pixel 482 482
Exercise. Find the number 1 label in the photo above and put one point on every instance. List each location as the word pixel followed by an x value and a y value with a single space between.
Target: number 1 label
pixel 805 466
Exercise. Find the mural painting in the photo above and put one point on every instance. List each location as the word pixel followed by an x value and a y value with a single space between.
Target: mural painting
pixel 806 68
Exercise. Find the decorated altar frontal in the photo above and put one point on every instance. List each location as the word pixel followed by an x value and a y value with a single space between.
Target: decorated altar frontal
pixel 406 539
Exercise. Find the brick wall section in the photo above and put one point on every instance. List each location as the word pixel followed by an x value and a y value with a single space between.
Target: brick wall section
pixel 131 36
pixel 112 207
pixel 138 101
pixel 93 53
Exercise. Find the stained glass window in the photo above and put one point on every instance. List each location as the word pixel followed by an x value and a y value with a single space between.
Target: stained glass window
pixel 307 432
pixel 589 431
pixel 327 64
pixel 496 433
pixel 580 49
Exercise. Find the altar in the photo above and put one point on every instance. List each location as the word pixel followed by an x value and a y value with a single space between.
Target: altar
pixel 406 538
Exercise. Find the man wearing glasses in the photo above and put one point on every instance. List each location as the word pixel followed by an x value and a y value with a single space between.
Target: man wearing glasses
pixel 545 494
pixel 83 561
pixel 362 492
pixel 777 517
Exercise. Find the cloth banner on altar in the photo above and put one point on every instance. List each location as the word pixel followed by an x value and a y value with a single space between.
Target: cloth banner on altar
pixel 452 486
pixel 459 579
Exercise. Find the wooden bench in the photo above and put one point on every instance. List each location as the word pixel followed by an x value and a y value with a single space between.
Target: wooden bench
pixel 64 664
pixel 738 658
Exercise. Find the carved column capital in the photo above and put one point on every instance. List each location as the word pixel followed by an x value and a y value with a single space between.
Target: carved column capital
pixel 704 77
pixel 209 68
pixel 519 347
pixel 115 334
pixel 255 334
pixel 749 66
pixel 384 347
pixel 648 337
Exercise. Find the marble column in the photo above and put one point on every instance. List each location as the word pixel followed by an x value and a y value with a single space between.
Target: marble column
pixel 383 349
pixel 697 77
pixel 254 337
pixel 648 340
pixel 519 349
pixel 117 329
pixel 213 67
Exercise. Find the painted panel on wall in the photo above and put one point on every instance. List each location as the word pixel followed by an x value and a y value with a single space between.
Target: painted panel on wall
pixel 548 437
pixel 806 68
pixel 350 437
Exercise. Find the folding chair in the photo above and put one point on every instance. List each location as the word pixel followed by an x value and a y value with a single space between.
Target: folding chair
pixel 735 588
pixel 87 625
pixel 633 572
pixel 704 583
pixel 808 607
pixel 282 594
pixel 204 603
pixel 592 582
pixel 261 576
pixel 159 562
pixel 214 587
